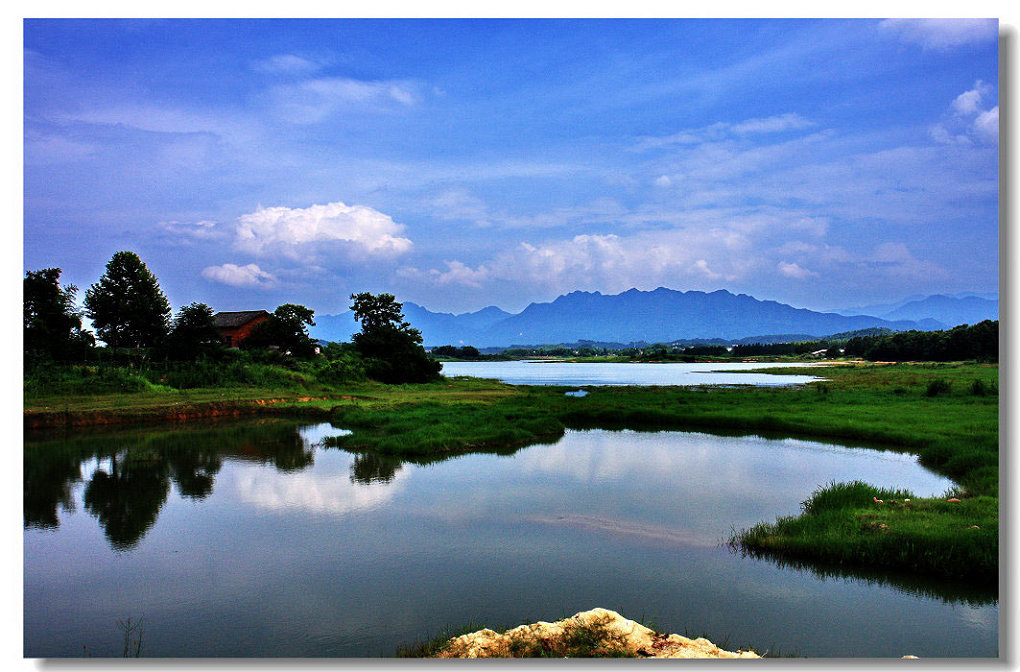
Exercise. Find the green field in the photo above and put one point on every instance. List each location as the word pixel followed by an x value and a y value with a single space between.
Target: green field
pixel 948 414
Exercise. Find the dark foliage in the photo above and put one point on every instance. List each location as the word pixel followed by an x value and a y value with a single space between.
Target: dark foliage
pixel 979 342
pixel 389 346
pixel 193 335
pixel 465 352
pixel 126 305
pixel 52 325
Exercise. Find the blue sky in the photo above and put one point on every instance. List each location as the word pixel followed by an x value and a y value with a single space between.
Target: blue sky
pixel 464 163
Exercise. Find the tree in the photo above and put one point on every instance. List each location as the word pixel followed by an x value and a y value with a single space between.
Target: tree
pixel 126 305
pixel 391 348
pixel 52 323
pixel 193 333
pixel 286 329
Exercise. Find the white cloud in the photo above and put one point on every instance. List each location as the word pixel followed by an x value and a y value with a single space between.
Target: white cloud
pixel 722 130
pixel 969 102
pixel 941 34
pixel 777 124
pixel 47 149
pixel 663 181
pixel 202 230
pixel 238 276
pixel 986 126
pixel 458 203
pixel 608 261
pixel 792 270
pixel 298 232
pixel 456 273
pixel 969 122
pixel 315 100
pixel 287 64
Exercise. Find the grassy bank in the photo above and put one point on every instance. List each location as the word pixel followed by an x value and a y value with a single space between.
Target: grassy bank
pixel 945 413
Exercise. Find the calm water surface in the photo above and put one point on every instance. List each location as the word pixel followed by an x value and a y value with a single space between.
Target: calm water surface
pixel 252 540
pixel 626 373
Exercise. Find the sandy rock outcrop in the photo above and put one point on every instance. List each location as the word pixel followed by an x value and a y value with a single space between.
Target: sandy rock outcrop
pixel 596 632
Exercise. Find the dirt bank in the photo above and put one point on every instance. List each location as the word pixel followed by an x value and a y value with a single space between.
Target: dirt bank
pixel 47 418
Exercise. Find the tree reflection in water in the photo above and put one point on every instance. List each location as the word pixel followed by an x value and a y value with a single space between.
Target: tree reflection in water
pixel 374 468
pixel 132 482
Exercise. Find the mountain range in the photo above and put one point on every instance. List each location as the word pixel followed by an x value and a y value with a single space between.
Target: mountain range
pixel 662 315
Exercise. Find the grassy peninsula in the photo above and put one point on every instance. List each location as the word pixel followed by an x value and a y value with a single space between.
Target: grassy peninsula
pixel 947 413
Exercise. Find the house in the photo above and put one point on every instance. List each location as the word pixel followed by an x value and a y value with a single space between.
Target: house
pixel 235 326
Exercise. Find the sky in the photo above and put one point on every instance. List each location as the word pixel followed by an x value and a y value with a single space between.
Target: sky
pixel 464 163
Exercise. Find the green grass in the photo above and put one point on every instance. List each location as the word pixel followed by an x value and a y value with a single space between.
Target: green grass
pixel 955 433
pixel 843 525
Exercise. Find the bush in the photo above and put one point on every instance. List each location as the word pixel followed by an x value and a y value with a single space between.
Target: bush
pixel 979 388
pixel 937 387
pixel 343 370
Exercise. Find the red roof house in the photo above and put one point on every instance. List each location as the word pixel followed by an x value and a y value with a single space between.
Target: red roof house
pixel 235 326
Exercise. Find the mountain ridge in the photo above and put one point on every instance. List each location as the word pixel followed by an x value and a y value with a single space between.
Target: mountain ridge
pixel 659 315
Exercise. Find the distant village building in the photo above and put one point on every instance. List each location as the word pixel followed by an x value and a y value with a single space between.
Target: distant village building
pixel 235 326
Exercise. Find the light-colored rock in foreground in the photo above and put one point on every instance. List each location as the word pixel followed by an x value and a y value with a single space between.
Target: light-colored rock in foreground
pixel 595 632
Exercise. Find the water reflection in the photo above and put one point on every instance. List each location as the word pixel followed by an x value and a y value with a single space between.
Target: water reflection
pixel 136 468
pixel 127 498
pixel 374 468
pixel 277 534
pixel 906 582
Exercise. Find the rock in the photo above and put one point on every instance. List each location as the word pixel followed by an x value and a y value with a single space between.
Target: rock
pixel 599 632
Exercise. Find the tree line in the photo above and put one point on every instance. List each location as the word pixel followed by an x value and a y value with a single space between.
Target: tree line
pixel 132 317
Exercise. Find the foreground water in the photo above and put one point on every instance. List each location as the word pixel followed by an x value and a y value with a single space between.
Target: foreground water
pixel 627 373
pixel 251 540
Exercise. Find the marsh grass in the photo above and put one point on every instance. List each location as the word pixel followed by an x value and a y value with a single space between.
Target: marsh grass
pixel 844 526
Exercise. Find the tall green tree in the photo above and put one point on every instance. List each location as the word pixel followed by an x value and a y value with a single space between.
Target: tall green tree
pixel 52 323
pixel 193 333
pixel 126 305
pixel 390 346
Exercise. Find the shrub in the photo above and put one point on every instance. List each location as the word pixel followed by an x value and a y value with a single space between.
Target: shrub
pixel 937 387
pixel 979 388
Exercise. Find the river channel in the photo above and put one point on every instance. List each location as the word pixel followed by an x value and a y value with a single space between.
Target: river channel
pixel 251 539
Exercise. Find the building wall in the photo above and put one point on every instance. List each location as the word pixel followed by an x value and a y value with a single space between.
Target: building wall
pixel 235 335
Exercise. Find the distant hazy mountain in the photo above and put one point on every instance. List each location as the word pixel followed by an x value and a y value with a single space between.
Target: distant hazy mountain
pixel 948 310
pixel 450 329
pixel 663 315
pixel 436 328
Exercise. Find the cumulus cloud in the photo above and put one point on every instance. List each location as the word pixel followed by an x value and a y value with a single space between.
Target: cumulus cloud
pixel 970 121
pixel 298 232
pixel 238 276
pixel 608 261
pixel 456 273
pixel 986 126
pixel 941 34
pixel 969 102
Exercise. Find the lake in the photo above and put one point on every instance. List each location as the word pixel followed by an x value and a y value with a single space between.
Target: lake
pixel 627 373
pixel 250 539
